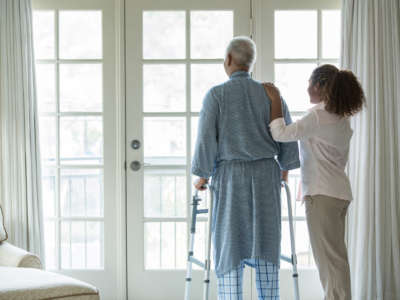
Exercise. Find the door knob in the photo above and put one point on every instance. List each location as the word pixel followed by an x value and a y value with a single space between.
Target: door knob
pixel 135 165
pixel 135 144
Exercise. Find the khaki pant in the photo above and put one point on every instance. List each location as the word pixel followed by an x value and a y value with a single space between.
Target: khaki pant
pixel 326 223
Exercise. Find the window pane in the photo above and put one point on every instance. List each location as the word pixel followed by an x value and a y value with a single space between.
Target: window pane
pixel 204 77
pixel 165 140
pixel 331 33
pixel 164 34
pixel 210 34
pixel 181 245
pixel 82 244
pixel 94 245
pixel 78 236
pixel 50 244
pixel 303 248
pixel 165 245
pixel 48 139
pixel 45 83
pixel 81 193
pixel 295 34
pixel 165 193
pixel 292 80
pixel 200 244
pixel 94 193
pixel 49 191
pixel 43 34
pixel 81 87
pixel 164 88
pixel 152 245
pixel 80 34
pixel 81 140
pixel 168 245
pixel 65 245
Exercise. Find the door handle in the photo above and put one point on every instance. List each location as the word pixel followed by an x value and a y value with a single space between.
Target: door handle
pixel 135 144
pixel 135 165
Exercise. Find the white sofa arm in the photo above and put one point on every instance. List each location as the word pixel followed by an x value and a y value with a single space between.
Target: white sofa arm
pixel 11 256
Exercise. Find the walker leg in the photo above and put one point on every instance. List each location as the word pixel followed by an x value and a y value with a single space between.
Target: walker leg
pixel 208 254
pixel 188 282
pixel 295 275
pixel 189 268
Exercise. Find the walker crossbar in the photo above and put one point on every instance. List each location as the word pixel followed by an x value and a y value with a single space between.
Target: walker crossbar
pixel 206 265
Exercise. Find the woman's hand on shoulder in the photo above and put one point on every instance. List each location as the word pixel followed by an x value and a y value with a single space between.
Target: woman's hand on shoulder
pixel 272 91
pixel 275 97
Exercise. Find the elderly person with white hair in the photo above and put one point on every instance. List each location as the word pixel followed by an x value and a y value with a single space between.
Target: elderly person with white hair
pixel 235 147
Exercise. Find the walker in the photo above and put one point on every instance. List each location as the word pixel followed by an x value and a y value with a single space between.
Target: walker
pixel 206 264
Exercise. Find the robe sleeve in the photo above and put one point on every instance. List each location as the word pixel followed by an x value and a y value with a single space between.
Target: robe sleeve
pixel 206 149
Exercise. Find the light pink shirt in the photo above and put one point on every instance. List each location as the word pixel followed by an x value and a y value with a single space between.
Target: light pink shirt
pixel 324 150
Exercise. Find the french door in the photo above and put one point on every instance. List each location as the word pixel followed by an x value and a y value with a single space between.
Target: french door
pixel 293 38
pixel 174 54
pixel 78 108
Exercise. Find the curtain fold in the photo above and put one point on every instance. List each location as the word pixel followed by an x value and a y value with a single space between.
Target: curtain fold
pixel 371 49
pixel 20 178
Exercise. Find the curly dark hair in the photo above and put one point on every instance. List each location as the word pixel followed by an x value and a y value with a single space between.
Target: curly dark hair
pixel 339 89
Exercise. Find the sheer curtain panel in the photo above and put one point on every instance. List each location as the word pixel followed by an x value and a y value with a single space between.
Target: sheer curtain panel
pixel 371 48
pixel 20 159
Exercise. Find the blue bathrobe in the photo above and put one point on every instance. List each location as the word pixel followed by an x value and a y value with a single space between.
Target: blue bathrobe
pixel 234 146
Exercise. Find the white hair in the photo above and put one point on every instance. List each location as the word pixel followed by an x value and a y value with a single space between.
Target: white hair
pixel 243 51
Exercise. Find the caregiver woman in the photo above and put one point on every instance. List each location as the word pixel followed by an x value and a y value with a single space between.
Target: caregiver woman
pixel 324 134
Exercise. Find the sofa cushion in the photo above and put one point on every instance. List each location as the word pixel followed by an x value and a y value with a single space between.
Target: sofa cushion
pixel 3 232
pixel 34 284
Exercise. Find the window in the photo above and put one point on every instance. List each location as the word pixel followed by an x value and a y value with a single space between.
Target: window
pixel 68 49
pixel 183 54
pixel 304 39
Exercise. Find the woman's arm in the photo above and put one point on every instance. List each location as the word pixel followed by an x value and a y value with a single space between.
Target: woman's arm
pixel 303 128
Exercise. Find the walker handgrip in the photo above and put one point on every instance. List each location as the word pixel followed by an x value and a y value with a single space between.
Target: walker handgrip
pixel 203 186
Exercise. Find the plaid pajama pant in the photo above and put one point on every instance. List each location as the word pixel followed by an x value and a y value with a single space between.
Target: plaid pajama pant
pixel 267 281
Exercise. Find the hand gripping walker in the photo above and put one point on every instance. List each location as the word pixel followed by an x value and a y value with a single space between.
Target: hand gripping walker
pixel 206 264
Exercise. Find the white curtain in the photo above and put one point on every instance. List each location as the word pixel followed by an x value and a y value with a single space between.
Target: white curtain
pixel 20 179
pixel 371 49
